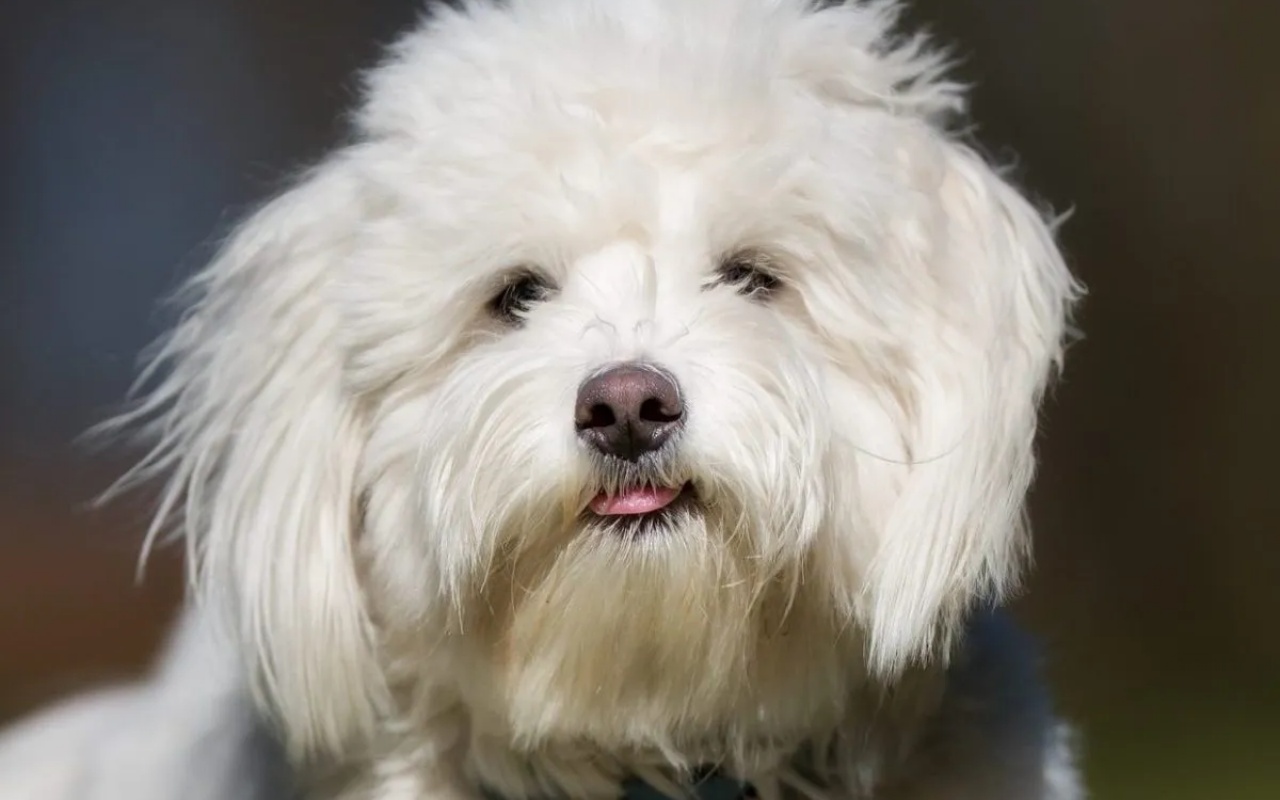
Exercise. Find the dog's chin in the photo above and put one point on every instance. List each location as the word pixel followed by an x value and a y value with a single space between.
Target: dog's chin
pixel 644 621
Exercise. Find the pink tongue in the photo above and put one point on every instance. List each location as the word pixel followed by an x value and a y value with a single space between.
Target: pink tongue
pixel 641 500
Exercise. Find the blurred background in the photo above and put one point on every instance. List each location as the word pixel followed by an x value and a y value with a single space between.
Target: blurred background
pixel 132 132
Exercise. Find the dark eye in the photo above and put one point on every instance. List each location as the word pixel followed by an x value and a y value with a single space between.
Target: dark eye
pixel 520 291
pixel 750 273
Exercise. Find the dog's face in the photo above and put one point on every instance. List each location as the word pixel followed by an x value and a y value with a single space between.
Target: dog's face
pixel 618 343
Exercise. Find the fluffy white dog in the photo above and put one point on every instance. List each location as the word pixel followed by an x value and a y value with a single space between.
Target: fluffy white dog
pixel 646 392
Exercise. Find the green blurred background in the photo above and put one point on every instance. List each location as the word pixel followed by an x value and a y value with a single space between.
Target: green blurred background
pixel 131 131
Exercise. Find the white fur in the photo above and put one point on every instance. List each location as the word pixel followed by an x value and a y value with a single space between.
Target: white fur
pixel 183 733
pixel 380 486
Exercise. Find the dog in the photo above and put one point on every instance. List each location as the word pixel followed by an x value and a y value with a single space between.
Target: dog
pixel 641 401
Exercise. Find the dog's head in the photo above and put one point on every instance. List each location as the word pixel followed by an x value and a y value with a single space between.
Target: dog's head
pixel 620 333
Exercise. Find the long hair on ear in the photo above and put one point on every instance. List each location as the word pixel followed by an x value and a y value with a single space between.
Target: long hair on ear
pixel 989 305
pixel 250 427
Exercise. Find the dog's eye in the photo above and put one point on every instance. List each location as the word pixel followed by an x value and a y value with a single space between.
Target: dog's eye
pixel 750 273
pixel 519 292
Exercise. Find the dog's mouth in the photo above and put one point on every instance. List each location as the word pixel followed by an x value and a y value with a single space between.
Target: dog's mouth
pixel 643 508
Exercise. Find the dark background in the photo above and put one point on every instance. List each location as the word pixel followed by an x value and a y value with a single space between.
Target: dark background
pixel 131 132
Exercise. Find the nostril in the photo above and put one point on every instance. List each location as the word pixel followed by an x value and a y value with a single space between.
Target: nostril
pixel 655 410
pixel 599 415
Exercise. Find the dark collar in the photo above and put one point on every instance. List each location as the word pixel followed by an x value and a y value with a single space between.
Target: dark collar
pixel 710 787
pixel 264 768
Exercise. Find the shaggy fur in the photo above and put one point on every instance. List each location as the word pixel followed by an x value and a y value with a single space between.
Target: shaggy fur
pixel 382 493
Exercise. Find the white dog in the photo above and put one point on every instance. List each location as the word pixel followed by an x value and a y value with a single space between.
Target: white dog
pixel 646 392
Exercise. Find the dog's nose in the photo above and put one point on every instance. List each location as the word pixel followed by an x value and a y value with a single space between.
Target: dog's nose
pixel 628 410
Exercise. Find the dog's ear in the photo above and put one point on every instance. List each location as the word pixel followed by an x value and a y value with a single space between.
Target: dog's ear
pixel 260 446
pixel 988 304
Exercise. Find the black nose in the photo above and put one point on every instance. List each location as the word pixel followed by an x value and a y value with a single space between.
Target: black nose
pixel 628 410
